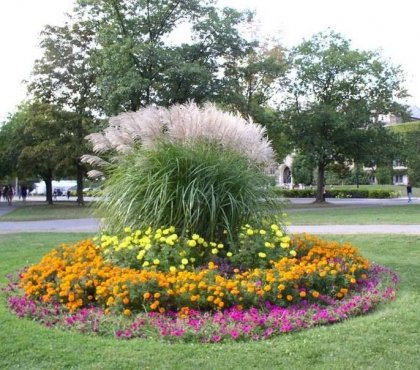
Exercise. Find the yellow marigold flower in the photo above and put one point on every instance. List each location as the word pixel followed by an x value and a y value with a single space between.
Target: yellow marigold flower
pixel 156 295
pixel 200 241
pixel 146 263
pixel 141 254
pixel 220 246
pixel 191 243
pixel 156 261
pixel 315 294
pixel 172 269
pixel 263 232
pixel 195 237
pixel 284 245
pixel 274 227
pixel 285 239
pixel 289 297
pixel 184 261
pixel 281 287
pixel 302 294
pixel 293 253
pixel 146 295
pixel 262 255
pixel 250 232
pixel 229 254
pixel 214 251
pixel 126 300
pixel 127 312
pixel 279 233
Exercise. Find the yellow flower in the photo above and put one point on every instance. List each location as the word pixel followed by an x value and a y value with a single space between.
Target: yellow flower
pixel 141 254
pixel 250 232
pixel 229 254
pixel 127 229
pixel 172 269
pixel 191 243
pixel 214 251
pixel 146 263
pixel 220 246
pixel 262 255
pixel 156 261
pixel 195 236
pixel 293 253
pixel 263 232
pixel 184 261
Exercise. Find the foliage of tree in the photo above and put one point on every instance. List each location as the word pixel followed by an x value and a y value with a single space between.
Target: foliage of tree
pixel 139 63
pixel 38 143
pixel 335 96
pixel 65 78
pixel 409 148
pixel 303 170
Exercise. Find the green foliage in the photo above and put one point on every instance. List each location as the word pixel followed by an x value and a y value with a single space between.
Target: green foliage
pixel 64 77
pixel 337 193
pixel 409 148
pixel 333 93
pixel 203 188
pixel 303 170
pixel 383 175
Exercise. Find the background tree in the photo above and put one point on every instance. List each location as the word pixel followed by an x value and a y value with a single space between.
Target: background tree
pixel 335 94
pixel 36 147
pixel 303 170
pixel 65 78
pixel 409 149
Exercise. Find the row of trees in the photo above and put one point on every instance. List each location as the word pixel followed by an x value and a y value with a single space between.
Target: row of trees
pixel 321 98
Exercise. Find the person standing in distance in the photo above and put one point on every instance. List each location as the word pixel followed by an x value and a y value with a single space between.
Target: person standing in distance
pixel 409 192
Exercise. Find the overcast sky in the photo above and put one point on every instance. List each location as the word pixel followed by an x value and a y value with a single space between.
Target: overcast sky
pixel 389 26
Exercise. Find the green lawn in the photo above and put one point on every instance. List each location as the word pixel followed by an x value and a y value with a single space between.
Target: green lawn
pixel 388 338
pixel 42 211
pixel 358 215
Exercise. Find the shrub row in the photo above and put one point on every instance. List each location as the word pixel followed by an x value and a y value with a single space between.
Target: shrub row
pixel 337 193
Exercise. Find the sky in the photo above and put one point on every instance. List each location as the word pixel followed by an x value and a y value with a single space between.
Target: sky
pixel 386 25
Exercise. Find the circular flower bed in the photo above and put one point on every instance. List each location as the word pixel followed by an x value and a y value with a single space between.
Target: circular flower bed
pixel 153 283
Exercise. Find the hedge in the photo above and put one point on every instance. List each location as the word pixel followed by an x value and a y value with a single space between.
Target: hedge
pixel 337 193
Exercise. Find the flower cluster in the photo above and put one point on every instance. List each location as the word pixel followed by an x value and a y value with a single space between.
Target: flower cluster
pixel 165 250
pixel 235 323
pixel 78 276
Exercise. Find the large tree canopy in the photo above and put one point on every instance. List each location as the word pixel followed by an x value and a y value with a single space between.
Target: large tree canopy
pixel 335 96
pixel 65 78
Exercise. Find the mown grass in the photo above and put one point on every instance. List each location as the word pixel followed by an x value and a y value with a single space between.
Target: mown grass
pixel 407 214
pixel 32 211
pixel 385 339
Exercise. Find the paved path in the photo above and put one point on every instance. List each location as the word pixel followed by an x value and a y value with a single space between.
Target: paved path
pixel 92 225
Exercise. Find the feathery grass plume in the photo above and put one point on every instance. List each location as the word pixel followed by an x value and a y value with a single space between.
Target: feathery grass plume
pixel 198 169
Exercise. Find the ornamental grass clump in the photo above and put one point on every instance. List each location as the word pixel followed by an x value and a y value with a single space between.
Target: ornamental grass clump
pixel 198 169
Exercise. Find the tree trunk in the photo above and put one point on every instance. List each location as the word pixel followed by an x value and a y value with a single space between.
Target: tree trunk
pixel 79 179
pixel 320 186
pixel 48 187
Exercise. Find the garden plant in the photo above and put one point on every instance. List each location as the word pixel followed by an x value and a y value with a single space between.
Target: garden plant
pixel 190 249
